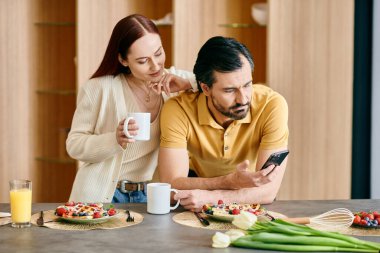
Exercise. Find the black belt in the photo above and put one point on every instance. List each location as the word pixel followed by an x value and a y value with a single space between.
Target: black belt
pixel 126 186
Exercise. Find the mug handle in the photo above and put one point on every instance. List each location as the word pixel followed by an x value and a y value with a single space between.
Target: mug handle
pixel 177 204
pixel 126 128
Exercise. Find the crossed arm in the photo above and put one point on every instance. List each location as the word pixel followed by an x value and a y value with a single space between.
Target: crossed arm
pixel 240 186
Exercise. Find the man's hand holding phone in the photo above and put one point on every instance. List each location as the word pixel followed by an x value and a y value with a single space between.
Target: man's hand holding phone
pixel 276 159
pixel 243 178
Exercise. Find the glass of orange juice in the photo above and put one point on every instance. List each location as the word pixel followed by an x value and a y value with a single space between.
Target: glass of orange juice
pixel 21 202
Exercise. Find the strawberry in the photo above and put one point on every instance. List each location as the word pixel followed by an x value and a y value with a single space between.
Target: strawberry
pixel 60 211
pixel 235 212
pixel 220 202
pixel 70 203
pixel 97 215
pixel 257 212
pixel 111 212
pixel 370 216
pixel 357 219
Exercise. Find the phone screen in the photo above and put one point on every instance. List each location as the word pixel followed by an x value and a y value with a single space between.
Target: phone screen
pixel 276 159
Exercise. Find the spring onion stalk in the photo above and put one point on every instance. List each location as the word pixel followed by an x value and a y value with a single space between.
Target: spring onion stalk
pixel 304 240
pixel 244 243
pixel 335 235
pixel 286 236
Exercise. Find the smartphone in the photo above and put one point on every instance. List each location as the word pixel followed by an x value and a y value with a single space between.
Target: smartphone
pixel 276 159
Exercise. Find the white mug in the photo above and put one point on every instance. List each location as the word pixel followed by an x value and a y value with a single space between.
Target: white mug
pixel 143 121
pixel 159 198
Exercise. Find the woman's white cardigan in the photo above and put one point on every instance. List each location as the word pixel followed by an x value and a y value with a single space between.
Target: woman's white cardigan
pixel 101 105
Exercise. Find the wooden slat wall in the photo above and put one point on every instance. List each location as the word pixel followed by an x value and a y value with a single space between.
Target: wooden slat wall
pixel 96 19
pixel 310 62
pixel 206 18
pixel 53 68
pixel 308 59
pixel 15 100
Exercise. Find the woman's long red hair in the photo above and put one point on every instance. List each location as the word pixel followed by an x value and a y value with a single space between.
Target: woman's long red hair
pixel 124 34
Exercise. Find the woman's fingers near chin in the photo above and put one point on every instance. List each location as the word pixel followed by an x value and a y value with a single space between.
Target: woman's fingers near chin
pixel 156 87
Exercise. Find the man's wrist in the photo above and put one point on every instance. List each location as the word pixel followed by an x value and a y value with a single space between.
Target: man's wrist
pixel 229 182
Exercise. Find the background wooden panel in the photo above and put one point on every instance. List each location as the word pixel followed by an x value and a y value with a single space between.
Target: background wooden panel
pixel 208 18
pixel 306 53
pixel 310 62
pixel 97 18
pixel 54 72
pixel 15 94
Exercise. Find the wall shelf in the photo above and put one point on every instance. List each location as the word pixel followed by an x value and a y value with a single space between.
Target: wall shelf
pixel 56 160
pixel 56 92
pixel 241 25
pixel 164 25
pixel 54 23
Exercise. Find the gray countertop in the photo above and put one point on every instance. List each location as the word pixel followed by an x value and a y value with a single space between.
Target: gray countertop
pixel 157 233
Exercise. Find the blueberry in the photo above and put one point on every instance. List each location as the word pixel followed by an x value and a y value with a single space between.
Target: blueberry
pixel 375 222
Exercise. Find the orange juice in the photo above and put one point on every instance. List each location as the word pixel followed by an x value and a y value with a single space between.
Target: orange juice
pixel 21 205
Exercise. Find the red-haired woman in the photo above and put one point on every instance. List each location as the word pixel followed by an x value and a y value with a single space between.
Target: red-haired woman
pixel 130 78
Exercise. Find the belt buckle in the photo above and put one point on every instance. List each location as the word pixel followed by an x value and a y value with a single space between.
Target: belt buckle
pixel 122 186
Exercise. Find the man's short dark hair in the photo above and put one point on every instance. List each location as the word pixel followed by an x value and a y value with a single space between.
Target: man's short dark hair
pixel 222 55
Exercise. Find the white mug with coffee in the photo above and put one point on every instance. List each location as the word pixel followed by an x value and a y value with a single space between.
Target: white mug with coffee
pixel 159 198
pixel 143 121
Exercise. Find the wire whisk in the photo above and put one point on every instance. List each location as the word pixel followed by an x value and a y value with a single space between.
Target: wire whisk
pixel 337 218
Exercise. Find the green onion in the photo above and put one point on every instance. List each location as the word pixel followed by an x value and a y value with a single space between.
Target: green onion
pixel 243 243
pixel 312 231
pixel 287 236
pixel 297 239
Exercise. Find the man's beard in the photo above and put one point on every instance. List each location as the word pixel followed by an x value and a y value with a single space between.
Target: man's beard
pixel 230 112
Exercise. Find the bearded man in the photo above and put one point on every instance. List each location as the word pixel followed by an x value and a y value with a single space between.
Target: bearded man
pixel 224 133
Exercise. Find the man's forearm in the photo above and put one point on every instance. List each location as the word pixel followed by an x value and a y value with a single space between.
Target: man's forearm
pixel 214 183
pixel 263 195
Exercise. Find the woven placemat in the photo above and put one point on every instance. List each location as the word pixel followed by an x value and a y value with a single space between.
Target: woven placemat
pixel 5 221
pixel 119 221
pixel 188 219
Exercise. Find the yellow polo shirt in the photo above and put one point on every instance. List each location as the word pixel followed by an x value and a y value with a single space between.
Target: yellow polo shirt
pixel 214 151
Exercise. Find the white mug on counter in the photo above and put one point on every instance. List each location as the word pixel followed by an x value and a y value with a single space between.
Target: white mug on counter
pixel 143 121
pixel 159 198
